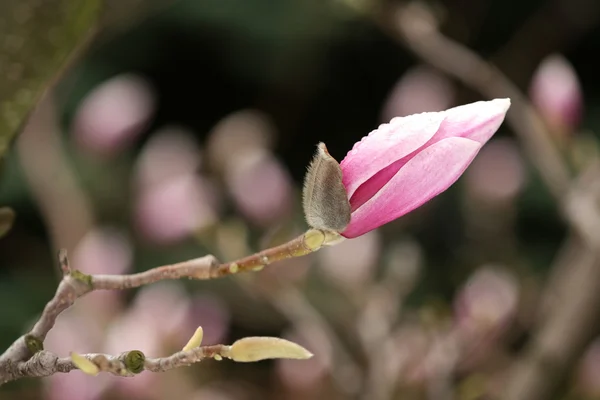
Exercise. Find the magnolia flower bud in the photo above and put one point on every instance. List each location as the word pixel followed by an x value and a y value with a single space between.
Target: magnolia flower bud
pixel 397 167
pixel 262 348
pixel 325 200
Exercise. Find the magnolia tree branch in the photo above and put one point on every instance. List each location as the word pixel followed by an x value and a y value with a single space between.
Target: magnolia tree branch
pixel 561 337
pixel 26 357
pixel 45 363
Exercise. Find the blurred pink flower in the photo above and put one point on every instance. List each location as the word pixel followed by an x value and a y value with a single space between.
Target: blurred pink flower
pixel 169 153
pixel 487 302
pixel 173 200
pixel 237 133
pixel 556 92
pixel 174 210
pixel 260 186
pixel 403 164
pixel 114 114
pixel 420 89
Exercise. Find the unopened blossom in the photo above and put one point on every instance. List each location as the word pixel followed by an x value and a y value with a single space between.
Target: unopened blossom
pixel 397 167
pixel 114 114
pixel 556 92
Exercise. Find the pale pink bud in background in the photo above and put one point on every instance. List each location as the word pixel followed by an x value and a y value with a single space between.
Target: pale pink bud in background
pixel 556 92
pixel 351 262
pixel 173 200
pixel 260 187
pixel 402 165
pixel 420 89
pixel 114 114
pixel 239 150
pixel 174 210
pixel 487 302
pixel 498 173
pixel 171 152
pixel 588 373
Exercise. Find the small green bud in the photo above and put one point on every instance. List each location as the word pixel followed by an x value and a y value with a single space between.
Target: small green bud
pixel 34 344
pixel 134 361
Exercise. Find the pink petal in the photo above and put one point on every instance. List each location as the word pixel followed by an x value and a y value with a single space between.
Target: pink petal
pixel 114 114
pixel 476 121
pixel 426 175
pixel 387 144
pixel 376 158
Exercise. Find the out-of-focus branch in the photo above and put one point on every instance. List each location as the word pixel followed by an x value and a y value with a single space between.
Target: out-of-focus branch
pixel 561 337
pixel 16 362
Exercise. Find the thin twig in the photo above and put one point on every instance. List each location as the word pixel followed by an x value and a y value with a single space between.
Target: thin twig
pixel 45 363
pixel 22 358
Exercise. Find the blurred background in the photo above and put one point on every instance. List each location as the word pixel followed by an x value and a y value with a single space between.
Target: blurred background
pixel 186 130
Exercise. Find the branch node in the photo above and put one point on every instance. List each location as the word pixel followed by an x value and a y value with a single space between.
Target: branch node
pixel 134 361
pixel 81 277
pixel 34 344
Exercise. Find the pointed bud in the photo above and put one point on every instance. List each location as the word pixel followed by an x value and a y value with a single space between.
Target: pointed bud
pixel 556 92
pixel 325 199
pixel 195 340
pixel 85 365
pixel 261 348
pixel 404 164
pixel 134 361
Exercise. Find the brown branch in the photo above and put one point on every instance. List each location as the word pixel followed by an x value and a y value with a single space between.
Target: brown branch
pixel 25 357
pixel 45 363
